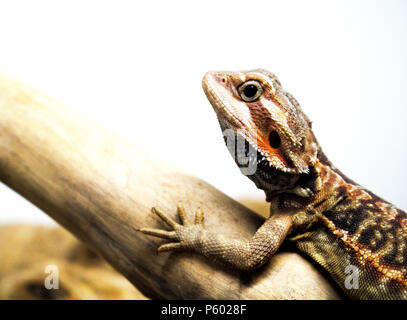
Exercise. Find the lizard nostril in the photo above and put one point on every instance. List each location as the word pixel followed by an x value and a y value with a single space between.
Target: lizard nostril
pixel 274 139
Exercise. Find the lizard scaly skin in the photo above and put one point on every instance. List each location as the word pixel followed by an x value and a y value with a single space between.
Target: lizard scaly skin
pixel 328 216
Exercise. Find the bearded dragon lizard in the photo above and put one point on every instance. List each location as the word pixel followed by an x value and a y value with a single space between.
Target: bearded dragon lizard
pixel 335 221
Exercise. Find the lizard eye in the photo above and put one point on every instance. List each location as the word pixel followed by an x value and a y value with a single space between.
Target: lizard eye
pixel 250 90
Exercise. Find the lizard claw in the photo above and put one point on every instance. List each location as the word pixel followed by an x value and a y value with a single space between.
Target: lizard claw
pixel 182 234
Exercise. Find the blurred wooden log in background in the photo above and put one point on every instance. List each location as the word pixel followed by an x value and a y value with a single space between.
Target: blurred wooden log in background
pixel 101 188
pixel 26 251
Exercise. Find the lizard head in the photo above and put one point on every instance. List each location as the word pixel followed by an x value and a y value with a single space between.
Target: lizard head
pixel 255 106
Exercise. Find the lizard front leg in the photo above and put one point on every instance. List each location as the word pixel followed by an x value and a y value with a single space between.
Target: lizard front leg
pixel 240 254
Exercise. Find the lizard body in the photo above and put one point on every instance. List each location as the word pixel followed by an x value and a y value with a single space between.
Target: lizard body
pixel 328 216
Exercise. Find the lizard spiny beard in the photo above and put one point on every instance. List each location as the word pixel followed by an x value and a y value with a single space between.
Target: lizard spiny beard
pixel 272 181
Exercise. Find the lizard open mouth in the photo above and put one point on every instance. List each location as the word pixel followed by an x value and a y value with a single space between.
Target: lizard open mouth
pixel 268 177
pixel 275 182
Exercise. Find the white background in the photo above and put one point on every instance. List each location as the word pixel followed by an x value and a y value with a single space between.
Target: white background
pixel 136 68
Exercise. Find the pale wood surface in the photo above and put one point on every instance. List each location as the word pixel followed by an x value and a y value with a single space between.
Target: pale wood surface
pixel 101 188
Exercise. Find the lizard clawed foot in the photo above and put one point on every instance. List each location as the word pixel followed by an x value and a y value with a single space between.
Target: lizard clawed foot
pixel 184 235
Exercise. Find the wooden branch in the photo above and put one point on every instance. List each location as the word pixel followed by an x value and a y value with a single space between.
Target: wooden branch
pixel 102 188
